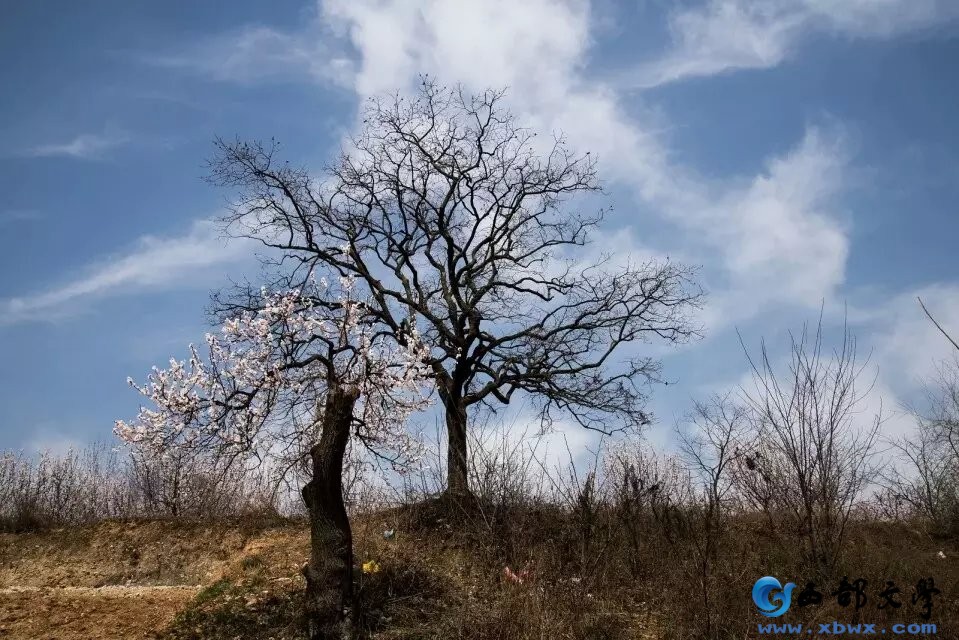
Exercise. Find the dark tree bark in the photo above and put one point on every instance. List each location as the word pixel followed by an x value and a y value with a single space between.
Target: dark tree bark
pixel 457 451
pixel 329 573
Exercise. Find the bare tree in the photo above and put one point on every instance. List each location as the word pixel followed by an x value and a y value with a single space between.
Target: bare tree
pixel 928 488
pixel 928 485
pixel 178 483
pixel 444 211
pixel 646 486
pixel 940 418
pixel 298 378
pixel 716 434
pixel 814 454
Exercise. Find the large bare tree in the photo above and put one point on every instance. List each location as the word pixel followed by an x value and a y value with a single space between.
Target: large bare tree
pixel 446 211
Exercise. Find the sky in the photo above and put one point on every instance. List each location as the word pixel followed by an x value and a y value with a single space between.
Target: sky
pixel 803 153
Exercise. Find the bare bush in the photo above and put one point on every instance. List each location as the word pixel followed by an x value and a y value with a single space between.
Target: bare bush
pixel 48 489
pixel 97 483
pixel 647 492
pixel 813 457
pixel 717 432
pixel 925 483
pixel 176 484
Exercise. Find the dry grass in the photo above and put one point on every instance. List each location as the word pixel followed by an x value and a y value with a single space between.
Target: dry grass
pixel 97 483
pixel 442 576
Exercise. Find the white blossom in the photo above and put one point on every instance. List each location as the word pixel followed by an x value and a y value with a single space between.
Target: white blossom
pixel 261 387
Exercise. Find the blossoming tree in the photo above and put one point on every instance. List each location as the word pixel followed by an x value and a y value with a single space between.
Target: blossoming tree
pixel 291 380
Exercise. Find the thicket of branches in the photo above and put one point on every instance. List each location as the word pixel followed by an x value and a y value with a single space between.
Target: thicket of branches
pixel 80 486
pixel 926 483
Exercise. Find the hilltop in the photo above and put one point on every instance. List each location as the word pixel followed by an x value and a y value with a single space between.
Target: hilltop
pixel 432 576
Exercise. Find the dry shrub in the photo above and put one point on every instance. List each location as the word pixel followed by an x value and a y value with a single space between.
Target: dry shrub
pixel 99 483
pixel 47 489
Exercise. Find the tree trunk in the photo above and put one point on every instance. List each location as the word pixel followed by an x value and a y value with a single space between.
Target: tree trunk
pixel 457 467
pixel 329 573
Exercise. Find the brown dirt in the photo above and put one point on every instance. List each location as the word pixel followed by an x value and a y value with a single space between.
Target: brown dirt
pixel 109 553
pixel 122 580
pixel 89 613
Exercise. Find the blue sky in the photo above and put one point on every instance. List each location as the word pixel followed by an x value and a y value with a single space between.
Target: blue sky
pixel 804 152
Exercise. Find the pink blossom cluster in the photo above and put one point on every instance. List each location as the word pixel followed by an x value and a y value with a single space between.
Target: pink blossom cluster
pixel 261 389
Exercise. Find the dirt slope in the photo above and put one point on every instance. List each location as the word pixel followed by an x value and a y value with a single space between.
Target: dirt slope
pixel 120 580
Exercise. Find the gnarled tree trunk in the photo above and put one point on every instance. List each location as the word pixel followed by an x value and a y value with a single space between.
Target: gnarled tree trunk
pixel 457 466
pixel 329 573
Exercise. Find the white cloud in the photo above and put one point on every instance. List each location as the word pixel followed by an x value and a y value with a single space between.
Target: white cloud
pixel 155 263
pixel 771 239
pixel 780 237
pixel 86 146
pixel 767 239
pixel 722 35
pixel 880 18
pixel 48 438
pixel 258 53
pixel 494 43
pixel 908 346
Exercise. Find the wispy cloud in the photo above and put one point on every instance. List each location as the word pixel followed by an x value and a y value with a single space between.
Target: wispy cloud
pixel 782 238
pixel 10 216
pixel 154 263
pixel 86 146
pixel 257 53
pixel 718 36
